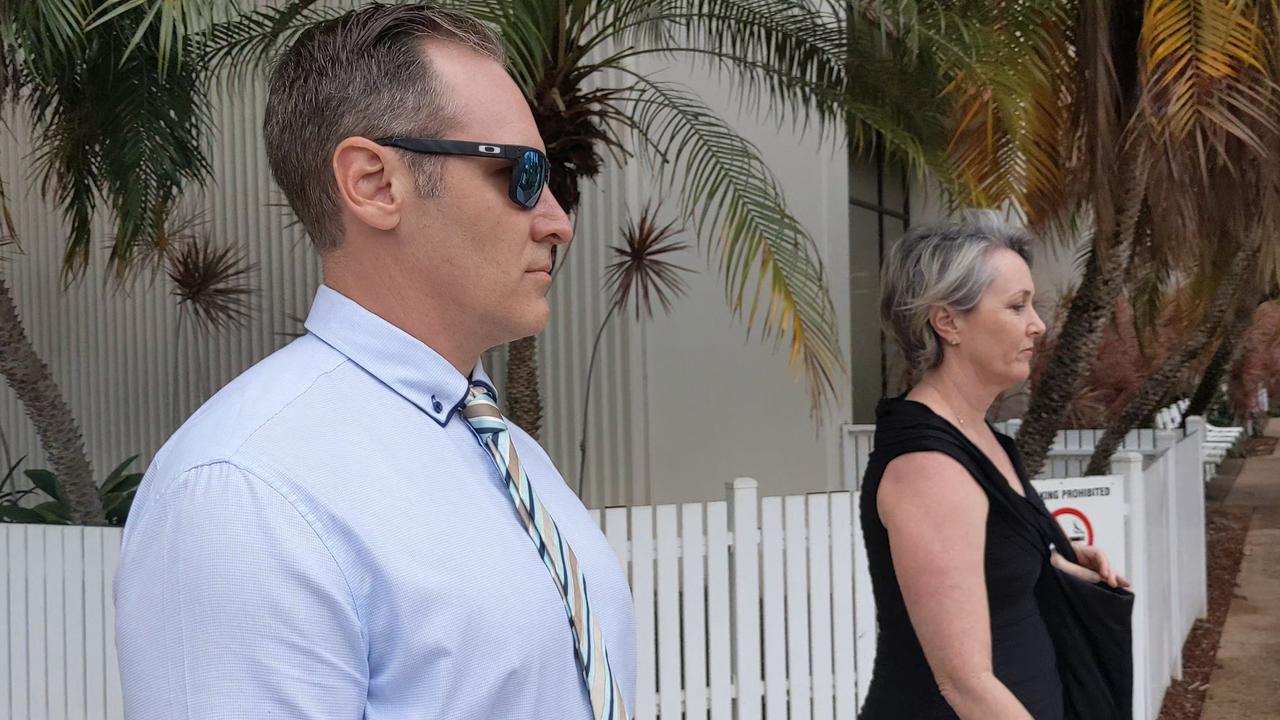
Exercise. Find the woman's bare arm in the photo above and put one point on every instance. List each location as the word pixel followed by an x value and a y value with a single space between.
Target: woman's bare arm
pixel 936 516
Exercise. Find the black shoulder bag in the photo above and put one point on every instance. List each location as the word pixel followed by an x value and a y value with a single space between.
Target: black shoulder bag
pixel 1091 625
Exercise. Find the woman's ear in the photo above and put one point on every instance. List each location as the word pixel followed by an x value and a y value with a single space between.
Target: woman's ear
pixel 945 322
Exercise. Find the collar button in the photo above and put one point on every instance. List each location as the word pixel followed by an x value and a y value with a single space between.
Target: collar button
pixel 436 404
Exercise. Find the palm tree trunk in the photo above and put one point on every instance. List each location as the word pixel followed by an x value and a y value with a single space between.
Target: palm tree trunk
pixel 1223 358
pixel 1227 299
pixel 1212 379
pixel 1080 338
pixel 524 395
pixel 55 425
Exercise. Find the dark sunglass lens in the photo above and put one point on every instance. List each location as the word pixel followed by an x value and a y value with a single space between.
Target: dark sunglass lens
pixel 531 176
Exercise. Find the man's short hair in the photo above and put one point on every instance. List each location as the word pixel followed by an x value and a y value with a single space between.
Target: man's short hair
pixel 365 73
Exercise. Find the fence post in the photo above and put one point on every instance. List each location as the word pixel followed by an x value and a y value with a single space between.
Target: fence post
pixel 1165 442
pixel 1195 432
pixel 743 507
pixel 1197 424
pixel 1128 465
pixel 856 443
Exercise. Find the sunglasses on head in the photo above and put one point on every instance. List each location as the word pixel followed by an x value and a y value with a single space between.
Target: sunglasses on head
pixel 529 166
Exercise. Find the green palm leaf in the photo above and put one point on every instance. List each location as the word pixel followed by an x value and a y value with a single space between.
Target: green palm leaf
pixel 118 129
pixel 170 24
pixel 786 53
pixel 242 47
pixel 735 205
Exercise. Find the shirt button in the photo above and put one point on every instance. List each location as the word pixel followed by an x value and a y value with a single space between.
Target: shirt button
pixel 436 404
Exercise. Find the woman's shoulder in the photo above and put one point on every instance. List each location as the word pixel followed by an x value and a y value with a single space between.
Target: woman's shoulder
pixel 929 485
pixel 925 470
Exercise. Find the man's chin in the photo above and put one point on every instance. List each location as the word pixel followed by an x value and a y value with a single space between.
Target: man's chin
pixel 533 324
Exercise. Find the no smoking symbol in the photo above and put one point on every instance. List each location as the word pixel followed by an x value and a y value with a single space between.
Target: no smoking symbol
pixel 1075 524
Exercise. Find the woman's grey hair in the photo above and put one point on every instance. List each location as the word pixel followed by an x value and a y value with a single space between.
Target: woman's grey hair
pixel 943 264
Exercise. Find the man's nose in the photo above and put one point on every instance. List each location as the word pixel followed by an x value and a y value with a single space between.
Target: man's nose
pixel 553 223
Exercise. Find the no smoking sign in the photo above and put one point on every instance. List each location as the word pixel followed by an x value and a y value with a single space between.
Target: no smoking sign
pixel 1075 524
pixel 1089 510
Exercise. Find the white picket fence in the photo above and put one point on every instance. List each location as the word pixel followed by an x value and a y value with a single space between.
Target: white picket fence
pixel 751 611
pixel 55 598
pixel 746 607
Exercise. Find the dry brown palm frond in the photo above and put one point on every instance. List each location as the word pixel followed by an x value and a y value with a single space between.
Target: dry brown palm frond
pixel 210 280
pixel 1010 138
pixel 1052 176
pixel 1208 117
pixel 1205 74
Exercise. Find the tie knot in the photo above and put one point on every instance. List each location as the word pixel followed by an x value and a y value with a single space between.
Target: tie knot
pixel 482 408
pixel 479 392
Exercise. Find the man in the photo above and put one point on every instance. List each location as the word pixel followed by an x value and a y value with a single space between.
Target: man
pixel 350 529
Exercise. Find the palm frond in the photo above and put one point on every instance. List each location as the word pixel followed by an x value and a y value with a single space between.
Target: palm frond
pixel 44 32
pixel 1208 118
pixel 116 129
pixel 170 25
pixel 535 36
pixel 803 50
pixel 242 47
pixel 8 231
pixel 1205 72
pixel 736 207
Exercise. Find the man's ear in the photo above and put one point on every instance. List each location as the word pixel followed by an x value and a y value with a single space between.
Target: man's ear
pixel 372 181
pixel 945 322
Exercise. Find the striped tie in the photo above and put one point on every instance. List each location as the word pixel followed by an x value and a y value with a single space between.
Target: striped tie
pixel 482 413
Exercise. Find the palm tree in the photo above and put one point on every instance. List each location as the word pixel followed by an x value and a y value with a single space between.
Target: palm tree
pixel 117 119
pixel 1226 317
pixel 1149 125
pixel 790 58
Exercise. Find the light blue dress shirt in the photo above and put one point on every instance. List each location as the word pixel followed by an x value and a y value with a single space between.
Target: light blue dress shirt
pixel 325 538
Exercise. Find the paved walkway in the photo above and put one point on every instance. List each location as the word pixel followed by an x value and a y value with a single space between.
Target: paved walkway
pixel 1246 683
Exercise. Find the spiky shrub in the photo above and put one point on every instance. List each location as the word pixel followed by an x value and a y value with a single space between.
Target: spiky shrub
pixel 639 274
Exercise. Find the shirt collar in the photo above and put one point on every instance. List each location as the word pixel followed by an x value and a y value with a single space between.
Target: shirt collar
pixel 399 360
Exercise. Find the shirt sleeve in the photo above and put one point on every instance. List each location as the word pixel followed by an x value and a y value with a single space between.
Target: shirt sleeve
pixel 229 605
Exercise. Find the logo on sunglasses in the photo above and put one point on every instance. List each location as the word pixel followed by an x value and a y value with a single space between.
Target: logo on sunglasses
pixel 490 149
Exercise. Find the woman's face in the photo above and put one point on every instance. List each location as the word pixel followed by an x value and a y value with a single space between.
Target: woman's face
pixel 997 338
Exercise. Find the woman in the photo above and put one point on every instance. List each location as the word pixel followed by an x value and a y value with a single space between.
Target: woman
pixel 946 504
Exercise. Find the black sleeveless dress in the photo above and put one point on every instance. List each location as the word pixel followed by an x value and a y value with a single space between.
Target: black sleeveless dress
pixel 902 685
